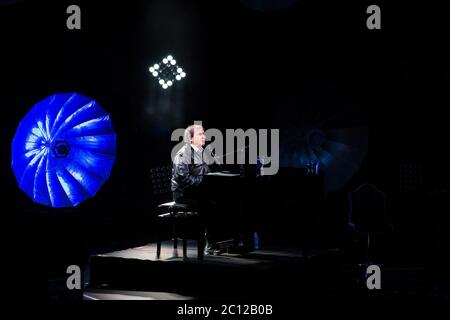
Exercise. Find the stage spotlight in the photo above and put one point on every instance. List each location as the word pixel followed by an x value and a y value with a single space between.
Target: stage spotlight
pixel 63 150
pixel 168 72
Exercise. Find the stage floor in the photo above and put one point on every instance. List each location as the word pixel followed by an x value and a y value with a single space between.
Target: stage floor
pixel 276 272
pixel 224 275
pixel 102 294
pixel 169 254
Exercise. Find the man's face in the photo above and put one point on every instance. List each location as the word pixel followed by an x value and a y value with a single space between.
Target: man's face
pixel 199 138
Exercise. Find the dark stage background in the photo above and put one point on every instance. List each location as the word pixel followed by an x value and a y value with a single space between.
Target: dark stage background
pixel 245 69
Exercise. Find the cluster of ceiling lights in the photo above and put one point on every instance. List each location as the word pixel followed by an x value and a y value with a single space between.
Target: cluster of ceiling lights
pixel 167 72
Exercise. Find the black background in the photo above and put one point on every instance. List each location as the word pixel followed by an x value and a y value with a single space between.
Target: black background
pixel 242 66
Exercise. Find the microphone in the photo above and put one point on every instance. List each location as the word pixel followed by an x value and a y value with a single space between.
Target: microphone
pixel 217 158
pixel 212 153
pixel 234 151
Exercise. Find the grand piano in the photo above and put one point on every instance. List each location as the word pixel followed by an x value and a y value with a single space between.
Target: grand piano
pixel 279 208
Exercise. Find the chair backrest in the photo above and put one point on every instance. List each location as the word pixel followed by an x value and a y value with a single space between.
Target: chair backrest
pixel 368 209
pixel 161 179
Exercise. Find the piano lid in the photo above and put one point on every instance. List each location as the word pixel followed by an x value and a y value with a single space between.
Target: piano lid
pixel 223 174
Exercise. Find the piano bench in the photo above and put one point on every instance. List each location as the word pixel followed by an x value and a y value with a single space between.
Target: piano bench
pixel 176 212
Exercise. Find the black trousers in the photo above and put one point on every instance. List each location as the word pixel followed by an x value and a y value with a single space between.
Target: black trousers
pixel 197 198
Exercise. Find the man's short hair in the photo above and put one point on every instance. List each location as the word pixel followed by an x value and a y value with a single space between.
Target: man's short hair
pixel 189 132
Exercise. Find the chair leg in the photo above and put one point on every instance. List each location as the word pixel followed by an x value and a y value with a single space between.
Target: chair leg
pixel 200 247
pixel 158 248
pixel 158 244
pixel 175 237
pixel 184 248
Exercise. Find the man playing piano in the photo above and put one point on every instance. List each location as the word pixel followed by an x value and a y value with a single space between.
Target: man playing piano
pixel 189 168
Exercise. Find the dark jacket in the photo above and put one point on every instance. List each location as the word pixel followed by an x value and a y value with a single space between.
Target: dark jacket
pixel 188 169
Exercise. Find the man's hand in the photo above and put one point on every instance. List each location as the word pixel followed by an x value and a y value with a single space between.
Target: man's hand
pixel 204 169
